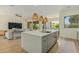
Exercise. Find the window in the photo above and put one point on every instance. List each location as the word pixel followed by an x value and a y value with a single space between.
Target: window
pixel 71 21
pixel 55 24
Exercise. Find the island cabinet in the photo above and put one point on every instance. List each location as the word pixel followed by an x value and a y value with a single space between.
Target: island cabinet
pixel 49 41
pixel 38 42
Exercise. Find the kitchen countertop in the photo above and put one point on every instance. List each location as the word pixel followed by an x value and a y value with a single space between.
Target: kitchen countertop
pixel 39 33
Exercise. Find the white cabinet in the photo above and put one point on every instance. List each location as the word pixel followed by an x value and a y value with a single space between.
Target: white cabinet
pixel 49 41
pixel 44 45
pixel 78 36
pixel 38 44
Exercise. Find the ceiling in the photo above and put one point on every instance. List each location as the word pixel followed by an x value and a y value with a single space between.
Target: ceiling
pixel 45 10
pixel 28 10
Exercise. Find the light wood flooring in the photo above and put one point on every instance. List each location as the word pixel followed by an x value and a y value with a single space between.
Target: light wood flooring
pixel 63 46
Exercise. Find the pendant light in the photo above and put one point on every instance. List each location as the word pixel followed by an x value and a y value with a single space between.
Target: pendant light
pixel 41 18
pixel 35 17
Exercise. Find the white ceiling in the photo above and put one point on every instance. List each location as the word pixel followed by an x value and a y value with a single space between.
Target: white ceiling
pixel 45 10
pixel 28 10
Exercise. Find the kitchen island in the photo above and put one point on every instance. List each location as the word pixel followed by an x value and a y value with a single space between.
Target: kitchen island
pixel 37 41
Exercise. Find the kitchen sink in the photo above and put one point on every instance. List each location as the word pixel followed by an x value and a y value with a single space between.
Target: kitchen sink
pixel 46 31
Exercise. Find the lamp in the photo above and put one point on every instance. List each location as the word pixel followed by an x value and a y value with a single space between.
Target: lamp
pixel 45 20
pixel 41 18
pixel 35 17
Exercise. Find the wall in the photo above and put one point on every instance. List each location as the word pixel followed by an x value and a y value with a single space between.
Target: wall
pixel 7 14
pixel 68 32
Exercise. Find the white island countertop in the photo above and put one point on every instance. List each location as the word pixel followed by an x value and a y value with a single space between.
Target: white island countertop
pixel 39 33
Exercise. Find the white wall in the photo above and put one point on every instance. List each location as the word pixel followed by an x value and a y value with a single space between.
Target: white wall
pixel 7 14
pixel 68 32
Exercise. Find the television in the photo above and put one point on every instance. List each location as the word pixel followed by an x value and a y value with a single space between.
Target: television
pixel 14 25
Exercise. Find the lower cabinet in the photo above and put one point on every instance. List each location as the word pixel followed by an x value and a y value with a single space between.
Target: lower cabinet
pixel 44 45
pixel 48 42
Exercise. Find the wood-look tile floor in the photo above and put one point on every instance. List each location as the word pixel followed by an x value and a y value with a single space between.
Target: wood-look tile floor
pixel 10 45
pixel 14 46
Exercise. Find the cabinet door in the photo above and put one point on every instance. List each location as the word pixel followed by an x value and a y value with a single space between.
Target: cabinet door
pixel 51 40
pixel 49 43
pixel 44 45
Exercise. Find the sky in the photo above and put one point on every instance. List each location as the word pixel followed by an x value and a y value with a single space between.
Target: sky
pixel 66 20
